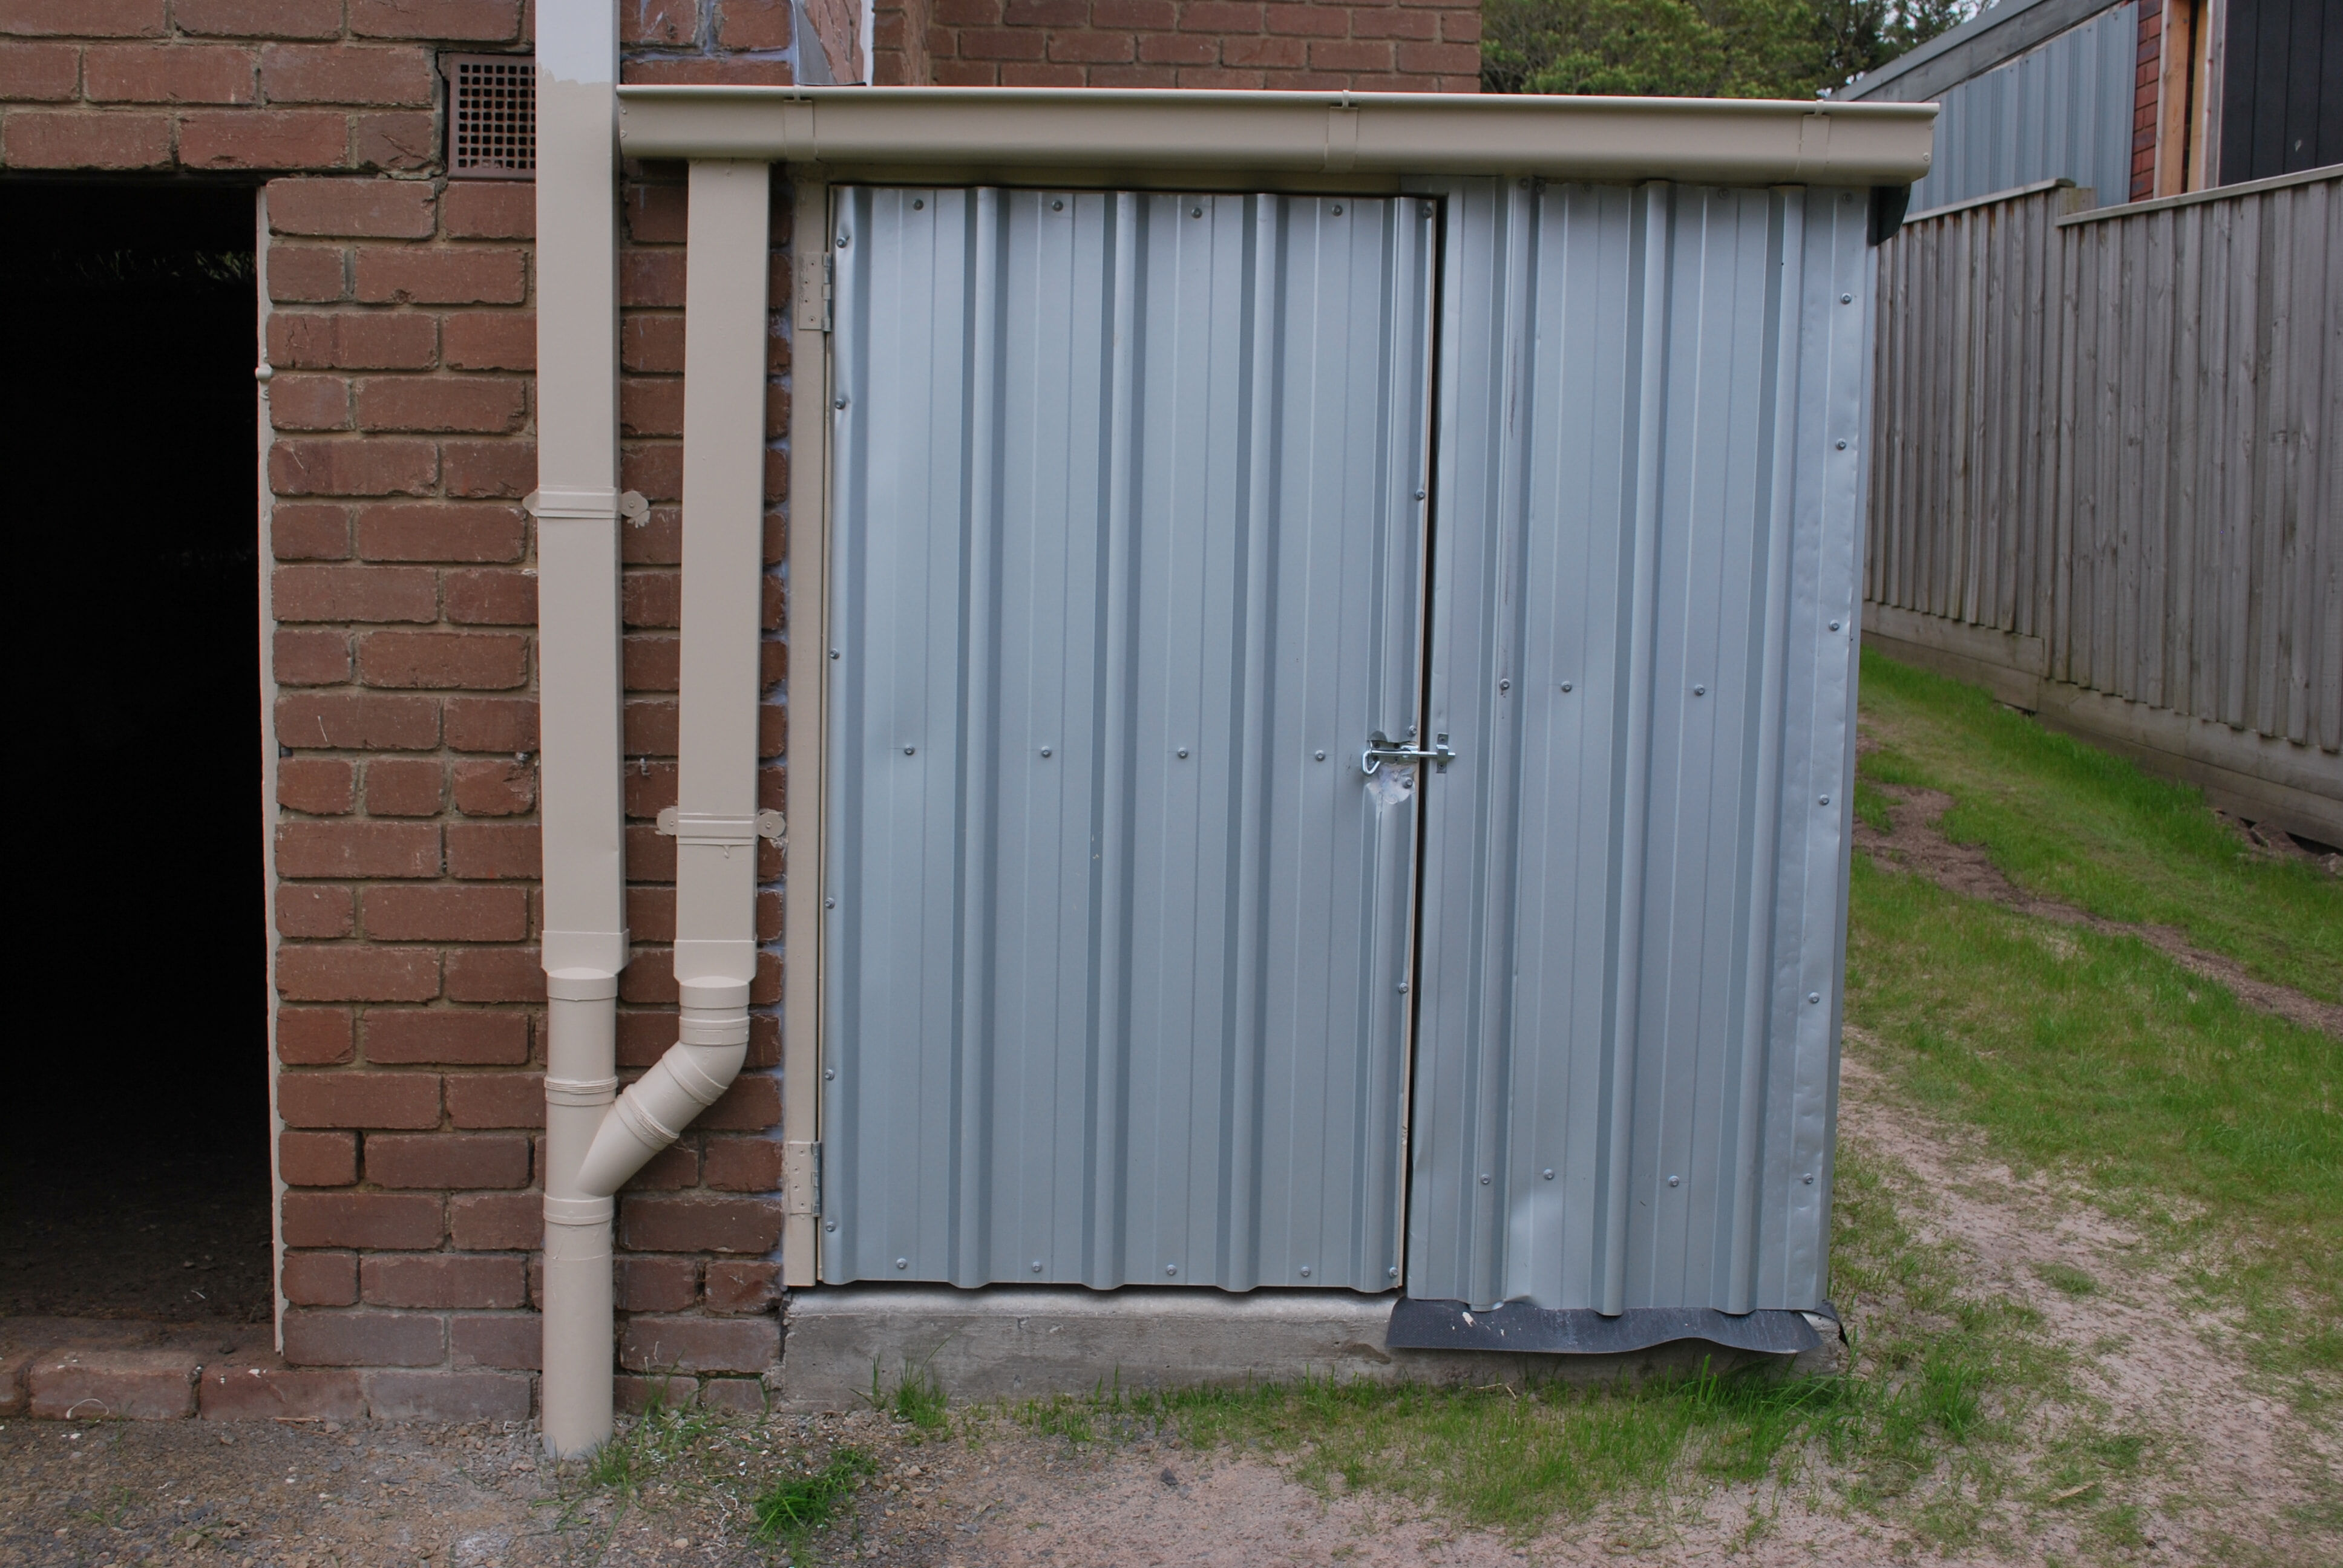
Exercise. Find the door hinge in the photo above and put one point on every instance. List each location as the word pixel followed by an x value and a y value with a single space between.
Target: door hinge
pixel 813 293
pixel 802 1178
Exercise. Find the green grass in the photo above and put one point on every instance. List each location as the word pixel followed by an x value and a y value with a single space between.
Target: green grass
pixel 795 1508
pixel 647 1447
pixel 2066 820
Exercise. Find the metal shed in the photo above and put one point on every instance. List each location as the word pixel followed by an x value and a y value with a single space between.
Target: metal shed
pixel 1324 633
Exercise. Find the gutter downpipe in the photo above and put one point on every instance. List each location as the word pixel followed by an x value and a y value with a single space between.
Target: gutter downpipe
pixel 594 1137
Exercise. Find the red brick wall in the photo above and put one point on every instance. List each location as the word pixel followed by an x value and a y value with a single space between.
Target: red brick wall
pixel 2148 72
pixel 402 339
pixel 1414 45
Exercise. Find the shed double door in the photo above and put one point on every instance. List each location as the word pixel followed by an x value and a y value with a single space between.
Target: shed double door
pixel 1127 564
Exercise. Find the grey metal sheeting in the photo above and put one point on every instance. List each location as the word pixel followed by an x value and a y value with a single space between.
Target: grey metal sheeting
pixel 2118 435
pixel 1139 473
pixel 1645 570
pixel 2062 110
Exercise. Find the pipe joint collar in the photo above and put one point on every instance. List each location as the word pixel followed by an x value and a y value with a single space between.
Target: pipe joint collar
pixel 587 1091
pixel 643 1124
pixel 580 985
pixel 580 1210
pixel 706 994
pixel 712 1026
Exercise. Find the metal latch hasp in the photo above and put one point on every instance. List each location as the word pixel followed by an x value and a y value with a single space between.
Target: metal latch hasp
pixel 1382 748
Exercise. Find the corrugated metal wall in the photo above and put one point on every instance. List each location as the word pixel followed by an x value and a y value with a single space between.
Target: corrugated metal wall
pixel 1646 566
pixel 2120 436
pixel 2060 111
pixel 1127 565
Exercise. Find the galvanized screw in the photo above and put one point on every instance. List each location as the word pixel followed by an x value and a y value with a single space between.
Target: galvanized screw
pixel 1846 299
pixel 1305 1270
pixel 1171 1268
pixel 1810 1178
pixel 1392 1272
pixel 909 749
pixel 1195 212
pixel 833 653
pixel 1045 751
pixel 1834 625
pixel 1814 996
pixel 1826 800
pixel 1675 1181
pixel 830 903
pixel 844 239
pixel 1504 686
pixel 1402 988
pixel 1565 685
pixel 1037 1265
pixel 831 1227
pixel 1338 210
pixel 1057 207
pixel 1484 1180
pixel 829 1073
pixel 1419 494
pixel 1547 1172
pixel 902 1262
pixel 1183 752
pixel 917 204
pixel 1322 757
pixel 1700 691
pixel 839 403
pixel 1841 446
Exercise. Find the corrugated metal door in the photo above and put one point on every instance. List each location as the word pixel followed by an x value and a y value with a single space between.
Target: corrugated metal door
pixel 1652 419
pixel 1127 564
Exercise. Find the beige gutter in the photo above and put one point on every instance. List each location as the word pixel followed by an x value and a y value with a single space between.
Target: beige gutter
pixel 1107 132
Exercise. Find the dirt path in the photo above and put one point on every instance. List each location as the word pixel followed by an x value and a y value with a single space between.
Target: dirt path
pixel 1915 841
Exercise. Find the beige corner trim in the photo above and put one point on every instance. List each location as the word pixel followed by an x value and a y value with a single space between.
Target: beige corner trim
pixel 1121 136
pixel 807 620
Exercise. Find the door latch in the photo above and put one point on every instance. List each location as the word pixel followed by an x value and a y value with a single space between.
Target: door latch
pixel 1382 748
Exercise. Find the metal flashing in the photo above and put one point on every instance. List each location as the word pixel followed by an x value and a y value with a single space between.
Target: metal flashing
pixel 1520 1328
pixel 1994 37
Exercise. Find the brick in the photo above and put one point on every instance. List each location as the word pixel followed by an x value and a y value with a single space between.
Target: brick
pixel 368 340
pixel 439 660
pixel 513 1341
pixel 491 340
pixel 1001 43
pixel 80 139
pixel 349 74
pixel 1134 76
pixel 467 1160
pixel 742 1164
pixel 388 277
pixel 469 404
pixel 460 1396
pixel 341 593
pixel 656 1284
pixel 447 914
pixel 169 74
pixel 1392 22
pixel 463 20
pixel 694 1344
pixel 258 18
pixel 39 73
pixel 263 139
pixel 742 1395
pixel 270 1390
pixel 1343 54
pixel 659 1222
pixel 354 721
pixel 440 531
pixel 1045 13
pixel 317 1159
pixel 652 663
pixel 653 278
pixel 491 724
pixel 365 208
pixel 83 18
pixel 651 343
pixel 320 1339
pixel 1223 16
pixel 396 1222
pixel 313 914
pixel 371 467
pixel 1093 48
pixel 442 1279
pixel 493 1099
pixel 13 1365
pixel 670 1169
pixel 306 275
pixel 395 141
pixel 1459 59
pixel 752 24
pixel 313 1036
pixel 723 71
pixel 485 852
pixel 654 469
pixel 404 787
pixel 652 729
pixel 658 22
pixel 650 407
pixel 1307 21
pixel 496 1221
pixel 491 597
pixel 117 1385
pixel 751 1104
pixel 306 973
pixel 489 469
pixel 1280 54
pixel 495 789
pixel 321 1279
pixel 306 531
pixel 496 974
pixel 309 403
pixel 321 786
pixel 358 849
pixel 355 1100
pixel 740 1286
pixel 489 209
pixel 1153 15
pixel 438 1037
pixel 633 1396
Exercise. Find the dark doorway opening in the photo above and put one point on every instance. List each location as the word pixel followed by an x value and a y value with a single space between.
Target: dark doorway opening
pixel 136 1183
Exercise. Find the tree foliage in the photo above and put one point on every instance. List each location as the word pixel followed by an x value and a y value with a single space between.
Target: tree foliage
pixel 1700 48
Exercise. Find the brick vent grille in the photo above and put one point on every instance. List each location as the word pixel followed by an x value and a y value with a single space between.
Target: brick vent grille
pixel 492 117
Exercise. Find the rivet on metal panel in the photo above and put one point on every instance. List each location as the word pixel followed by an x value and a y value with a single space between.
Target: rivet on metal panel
pixel 1037 1265
pixel 1810 1178
pixel 844 239
pixel 1834 625
pixel 1057 207
pixel 839 403
pixel 830 903
pixel 1841 446
pixel 829 1074
pixel 1402 988
pixel 1392 1272
pixel 917 204
pixel 833 653
pixel 1183 752
pixel 1675 1181
pixel 1425 210
pixel 1419 494
pixel 1195 212
pixel 1045 751
pixel 1171 1268
pixel 1814 996
pixel 902 1262
pixel 1322 757
pixel 1547 1172
pixel 1846 299
pixel 1565 685
pixel 831 1227
pixel 908 750
pixel 1338 210
pixel 1700 691
pixel 1305 1270
pixel 1826 800
pixel 1485 1179
pixel 1504 686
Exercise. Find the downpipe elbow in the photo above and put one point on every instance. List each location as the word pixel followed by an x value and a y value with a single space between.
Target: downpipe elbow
pixel 712 1043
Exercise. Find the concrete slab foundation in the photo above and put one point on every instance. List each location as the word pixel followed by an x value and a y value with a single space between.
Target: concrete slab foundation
pixel 843 1345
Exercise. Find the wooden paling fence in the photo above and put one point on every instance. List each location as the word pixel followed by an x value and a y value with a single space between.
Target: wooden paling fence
pixel 2108 475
